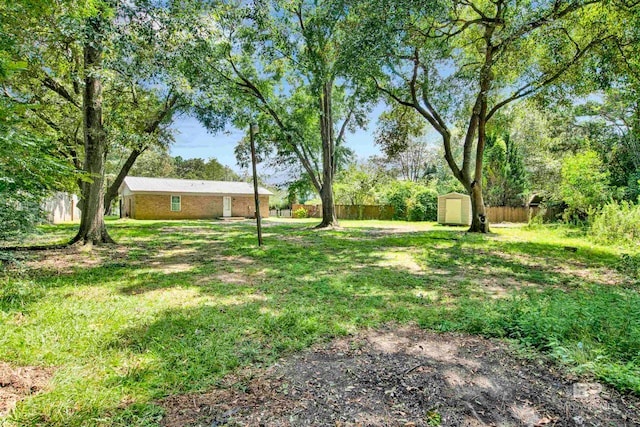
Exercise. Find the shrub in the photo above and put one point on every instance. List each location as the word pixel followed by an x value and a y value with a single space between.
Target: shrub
pixel 300 213
pixel 632 191
pixel 584 185
pixel 537 219
pixel 411 201
pixel 423 206
pixel 630 265
pixel 397 196
pixel 617 223
pixel 18 216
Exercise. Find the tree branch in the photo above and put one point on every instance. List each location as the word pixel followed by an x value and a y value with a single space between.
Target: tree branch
pixel 532 87
pixel 56 87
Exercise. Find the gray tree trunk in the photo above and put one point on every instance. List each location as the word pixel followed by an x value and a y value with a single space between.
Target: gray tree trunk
pixel 329 217
pixel 479 221
pixel 92 226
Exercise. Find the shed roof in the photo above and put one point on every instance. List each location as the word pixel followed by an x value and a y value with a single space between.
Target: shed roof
pixel 172 185
pixel 454 193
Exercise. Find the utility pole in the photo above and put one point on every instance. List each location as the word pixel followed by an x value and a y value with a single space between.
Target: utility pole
pixel 253 129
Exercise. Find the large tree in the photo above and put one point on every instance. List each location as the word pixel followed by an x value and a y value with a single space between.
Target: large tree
pixel 616 112
pixel 29 168
pixel 461 61
pixel 88 83
pixel 288 66
pixel 199 169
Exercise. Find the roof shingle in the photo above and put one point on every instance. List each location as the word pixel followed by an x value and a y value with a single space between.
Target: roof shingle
pixel 172 185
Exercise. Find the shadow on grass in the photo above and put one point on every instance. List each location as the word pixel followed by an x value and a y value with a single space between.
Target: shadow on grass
pixel 253 305
pixel 161 255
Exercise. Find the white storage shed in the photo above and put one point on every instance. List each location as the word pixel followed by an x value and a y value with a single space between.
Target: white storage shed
pixel 454 209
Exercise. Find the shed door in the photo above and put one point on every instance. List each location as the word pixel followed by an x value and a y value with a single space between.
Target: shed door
pixel 453 214
pixel 226 206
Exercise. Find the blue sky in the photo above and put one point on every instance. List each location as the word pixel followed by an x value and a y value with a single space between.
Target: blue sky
pixel 193 140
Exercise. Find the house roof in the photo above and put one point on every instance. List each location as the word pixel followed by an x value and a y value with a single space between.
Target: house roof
pixel 171 185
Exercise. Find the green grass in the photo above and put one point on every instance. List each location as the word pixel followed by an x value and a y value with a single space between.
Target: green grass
pixel 179 304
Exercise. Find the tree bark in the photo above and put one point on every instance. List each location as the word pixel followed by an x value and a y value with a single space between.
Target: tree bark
pixel 329 217
pixel 479 221
pixel 93 229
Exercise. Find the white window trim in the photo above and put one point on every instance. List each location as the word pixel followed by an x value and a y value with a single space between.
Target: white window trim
pixel 179 203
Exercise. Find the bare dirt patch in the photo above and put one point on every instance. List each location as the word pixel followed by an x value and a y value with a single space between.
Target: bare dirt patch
pixel 407 377
pixel 19 383
pixel 240 394
pixel 67 260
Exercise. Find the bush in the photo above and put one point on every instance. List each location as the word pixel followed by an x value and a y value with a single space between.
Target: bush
pixel 617 223
pixel 411 201
pixel 632 191
pixel 300 213
pixel 18 217
pixel 397 196
pixel 538 219
pixel 584 185
pixel 423 206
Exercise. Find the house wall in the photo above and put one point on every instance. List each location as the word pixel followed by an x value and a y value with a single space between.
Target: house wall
pixel 158 206
pixel 61 207
pixel 127 206
pixel 466 207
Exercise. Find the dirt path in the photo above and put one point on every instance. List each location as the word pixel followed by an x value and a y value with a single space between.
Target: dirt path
pixel 406 377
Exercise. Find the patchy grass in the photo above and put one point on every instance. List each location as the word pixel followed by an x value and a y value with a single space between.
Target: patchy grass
pixel 179 304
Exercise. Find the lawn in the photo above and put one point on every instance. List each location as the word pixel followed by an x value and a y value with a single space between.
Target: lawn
pixel 178 305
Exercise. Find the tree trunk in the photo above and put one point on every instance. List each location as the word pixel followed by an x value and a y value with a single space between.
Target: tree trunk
pixel 112 191
pixel 479 221
pixel 92 226
pixel 329 217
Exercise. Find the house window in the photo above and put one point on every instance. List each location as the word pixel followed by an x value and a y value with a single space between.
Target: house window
pixel 175 203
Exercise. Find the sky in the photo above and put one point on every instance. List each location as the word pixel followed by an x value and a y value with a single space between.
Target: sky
pixel 193 140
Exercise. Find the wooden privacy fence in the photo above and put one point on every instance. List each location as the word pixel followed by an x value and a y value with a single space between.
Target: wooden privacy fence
pixel 495 214
pixel 350 211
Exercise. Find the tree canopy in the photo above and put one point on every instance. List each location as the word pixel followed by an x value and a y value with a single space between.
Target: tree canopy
pixel 460 62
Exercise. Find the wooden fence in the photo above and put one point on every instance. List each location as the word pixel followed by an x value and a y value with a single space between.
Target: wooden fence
pixel 350 211
pixel 495 214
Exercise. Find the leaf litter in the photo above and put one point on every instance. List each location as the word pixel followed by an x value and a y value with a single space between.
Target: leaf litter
pixel 405 376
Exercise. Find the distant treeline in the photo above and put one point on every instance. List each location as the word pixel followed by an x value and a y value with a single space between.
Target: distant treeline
pixel 163 165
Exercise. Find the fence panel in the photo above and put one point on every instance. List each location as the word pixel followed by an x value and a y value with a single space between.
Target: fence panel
pixel 497 214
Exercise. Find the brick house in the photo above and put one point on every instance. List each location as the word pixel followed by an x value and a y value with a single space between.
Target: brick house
pixel 168 198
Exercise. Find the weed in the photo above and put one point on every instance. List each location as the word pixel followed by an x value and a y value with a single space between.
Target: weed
pixel 180 304
pixel 433 417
